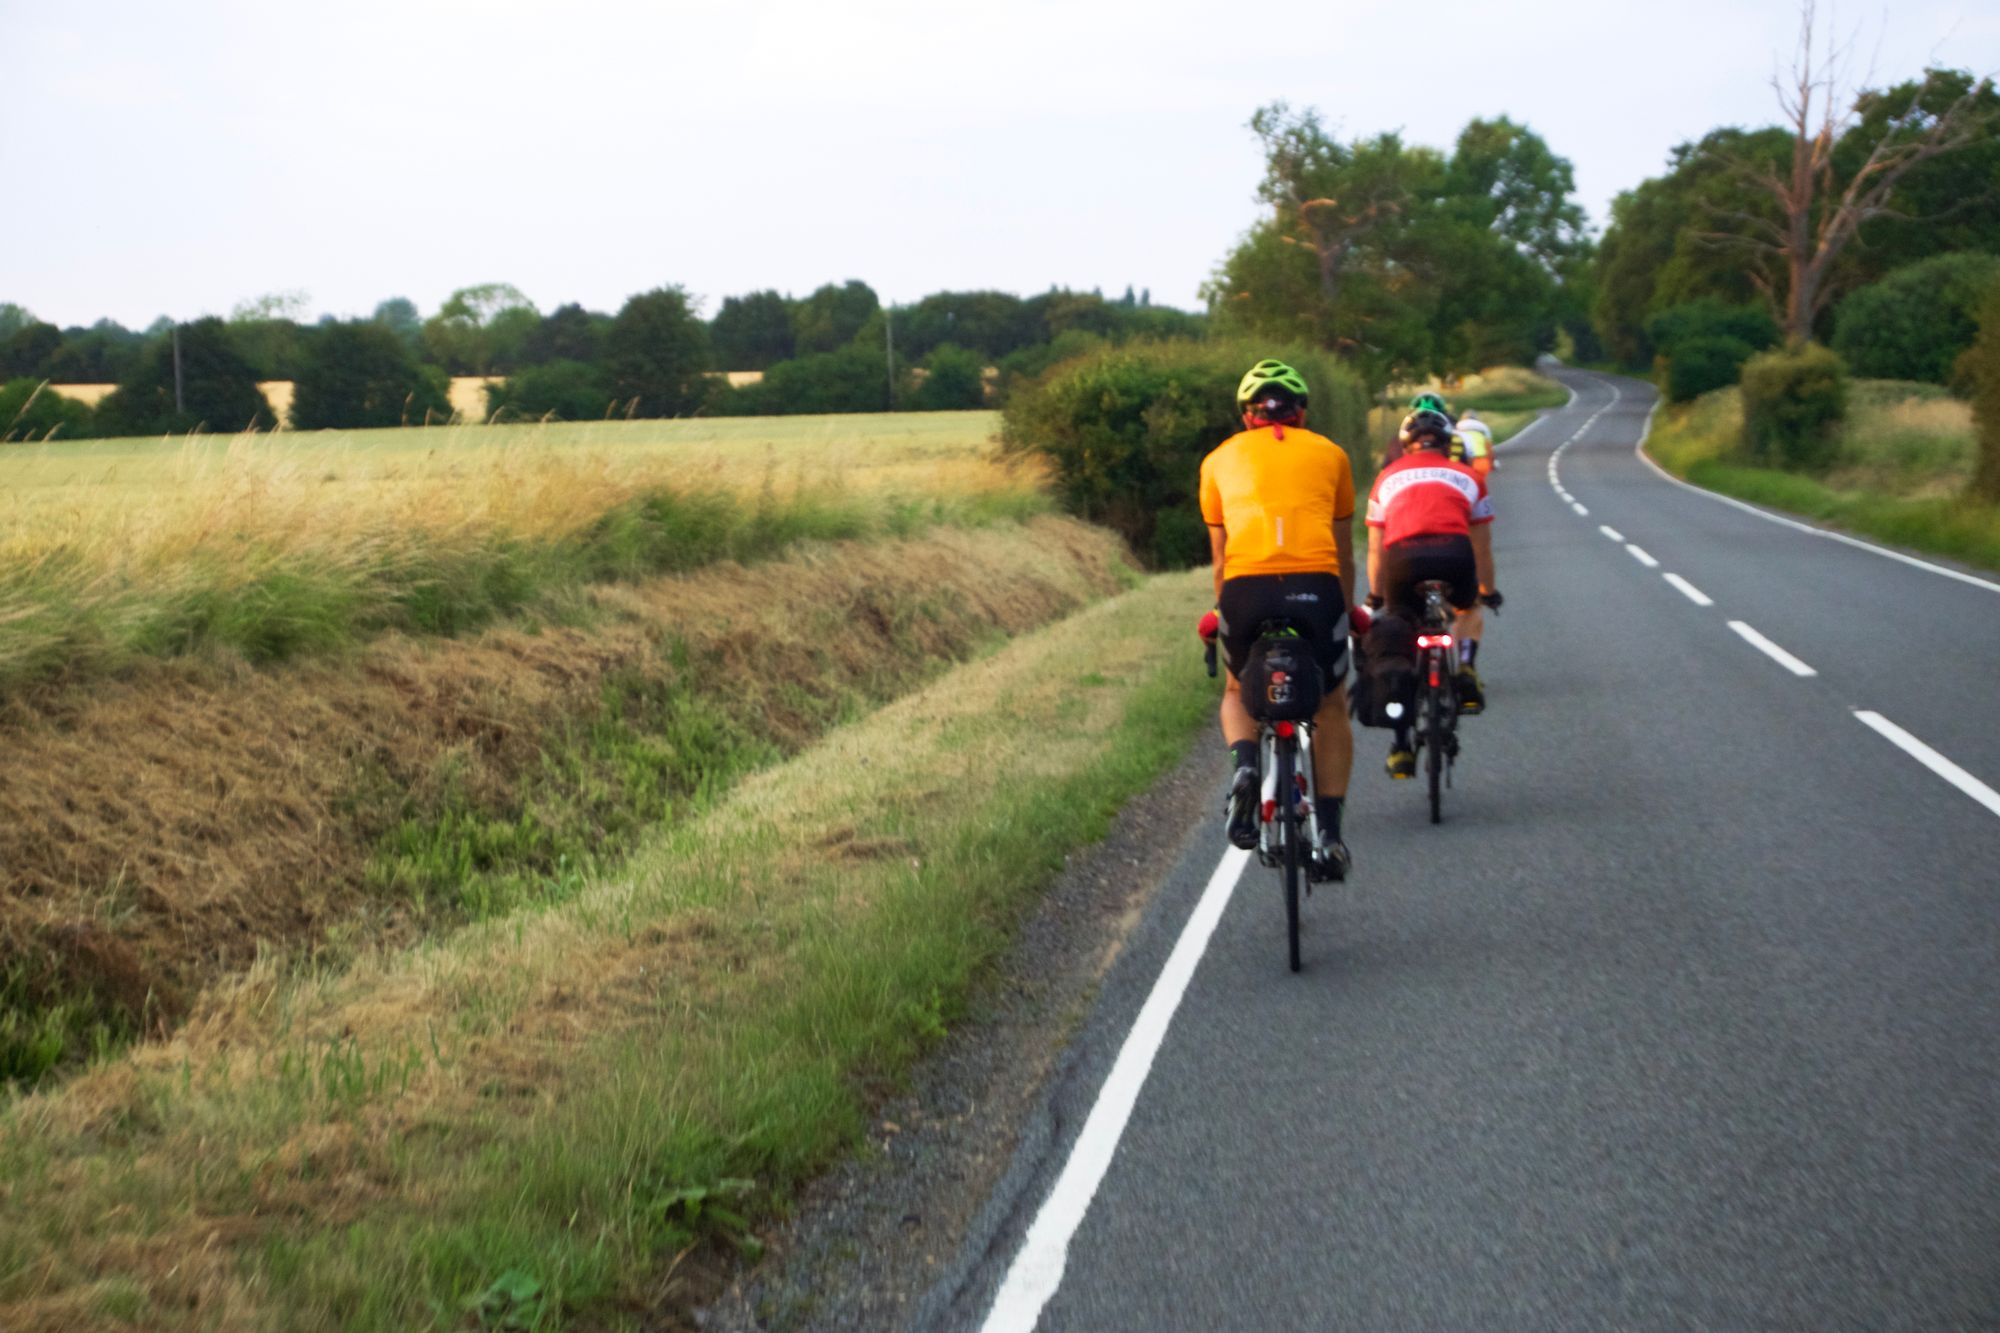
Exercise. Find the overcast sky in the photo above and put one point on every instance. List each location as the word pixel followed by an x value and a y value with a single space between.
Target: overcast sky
pixel 180 157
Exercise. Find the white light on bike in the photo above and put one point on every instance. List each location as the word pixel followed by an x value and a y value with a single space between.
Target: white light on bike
pixel 1394 710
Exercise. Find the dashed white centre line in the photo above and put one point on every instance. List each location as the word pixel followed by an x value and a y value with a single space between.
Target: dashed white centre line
pixel 1689 591
pixel 1611 532
pixel 1642 557
pixel 1579 509
pixel 1037 1269
pixel 1771 650
pixel 1932 760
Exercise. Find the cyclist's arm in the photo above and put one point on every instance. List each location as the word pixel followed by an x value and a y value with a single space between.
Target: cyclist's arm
pixel 1375 561
pixel 1218 541
pixel 1482 554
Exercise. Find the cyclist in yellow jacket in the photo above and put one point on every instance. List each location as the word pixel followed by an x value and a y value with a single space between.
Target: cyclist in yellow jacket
pixel 1279 503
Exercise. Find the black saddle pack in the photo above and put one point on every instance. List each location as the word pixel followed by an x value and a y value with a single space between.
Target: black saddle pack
pixel 1386 673
pixel 1281 681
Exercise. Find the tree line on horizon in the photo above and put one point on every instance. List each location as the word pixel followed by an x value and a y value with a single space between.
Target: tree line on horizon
pixel 837 349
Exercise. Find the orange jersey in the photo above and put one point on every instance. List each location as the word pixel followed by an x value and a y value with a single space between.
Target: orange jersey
pixel 1278 499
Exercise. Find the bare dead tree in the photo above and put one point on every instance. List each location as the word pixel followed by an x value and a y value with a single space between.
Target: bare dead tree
pixel 1817 213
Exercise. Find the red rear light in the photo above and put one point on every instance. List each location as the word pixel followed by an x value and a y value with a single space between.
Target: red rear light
pixel 1434 641
pixel 1270 811
pixel 1285 729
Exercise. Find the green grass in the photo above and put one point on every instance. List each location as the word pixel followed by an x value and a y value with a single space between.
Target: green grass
pixel 1899 478
pixel 525 1121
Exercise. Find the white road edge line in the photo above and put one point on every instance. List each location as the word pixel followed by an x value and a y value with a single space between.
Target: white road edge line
pixel 1642 557
pixel 1771 650
pixel 1611 532
pixel 1037 1269
pixel 1689 591
pixel 1808 528
pixel 1932 760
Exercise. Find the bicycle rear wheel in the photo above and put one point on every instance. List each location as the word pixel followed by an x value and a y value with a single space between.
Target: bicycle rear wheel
pixel 1434 748
pixel 1288 830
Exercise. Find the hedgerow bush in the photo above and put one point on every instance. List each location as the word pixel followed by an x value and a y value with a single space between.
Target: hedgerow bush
pixel 1700 365
pixel 1980 366
pixel 1126 429
pixel 1793 401
pixel 30 410
pixel 1916 322
pixel 560 391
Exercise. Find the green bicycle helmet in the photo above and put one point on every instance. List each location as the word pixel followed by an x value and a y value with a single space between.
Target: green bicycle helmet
pixel 1270 374
pixel 1429 402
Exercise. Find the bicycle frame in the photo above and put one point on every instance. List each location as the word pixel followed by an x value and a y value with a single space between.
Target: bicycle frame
pixel 1298 736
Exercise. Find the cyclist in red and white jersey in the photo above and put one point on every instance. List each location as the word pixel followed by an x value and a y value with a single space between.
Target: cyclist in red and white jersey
pixel 1431 518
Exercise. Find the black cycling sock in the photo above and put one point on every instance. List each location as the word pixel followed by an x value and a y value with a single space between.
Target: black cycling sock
pixel 1243 753
pixel 1467 650
pixel 1328 809
pixel 1402 739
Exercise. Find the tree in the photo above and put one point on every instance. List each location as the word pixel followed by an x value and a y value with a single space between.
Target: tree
pixel 266 330
pixel 954 379
pixel 1981 366
pixel 31 410
pixel 1915 323
pixel 658 354
pixel 563 390
pixel 1820 212
pixel 474 328
pixel 831 316
pixel 360 375
pixel 753 332
pixel 104 353
pixel 27 353
pixel 13 319
pixel 567 333
pixel 218 388
pixel 399 315
pixel 1950 202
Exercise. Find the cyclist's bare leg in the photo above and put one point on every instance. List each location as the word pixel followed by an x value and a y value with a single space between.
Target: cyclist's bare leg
pixel 1333 744
pixel 1470 623
pixel 1237 724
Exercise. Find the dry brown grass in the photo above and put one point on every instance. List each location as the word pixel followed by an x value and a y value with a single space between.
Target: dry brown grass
pixel 560 1058
pixel 205 815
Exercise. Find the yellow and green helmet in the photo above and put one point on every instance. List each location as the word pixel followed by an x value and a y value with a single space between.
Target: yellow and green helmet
pixel 1268 375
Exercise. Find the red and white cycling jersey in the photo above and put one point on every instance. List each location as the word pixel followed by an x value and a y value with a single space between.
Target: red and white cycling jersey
pixel 1425 494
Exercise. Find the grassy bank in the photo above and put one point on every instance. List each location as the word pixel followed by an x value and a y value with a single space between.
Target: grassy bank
pixel 521 1119
pixel 276 547
pixel 1904 455
pixel 208 816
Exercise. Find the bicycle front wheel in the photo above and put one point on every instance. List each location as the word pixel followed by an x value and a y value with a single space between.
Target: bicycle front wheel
pixel 1288 832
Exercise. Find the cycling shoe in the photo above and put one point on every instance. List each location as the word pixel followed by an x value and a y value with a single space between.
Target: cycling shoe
pixel 1240 806
pixel 1402 764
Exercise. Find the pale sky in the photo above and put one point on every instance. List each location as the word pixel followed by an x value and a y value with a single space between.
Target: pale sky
pixel 177 158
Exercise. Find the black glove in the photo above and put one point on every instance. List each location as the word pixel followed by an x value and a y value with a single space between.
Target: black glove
pixel 1492 599
pixel 1375 602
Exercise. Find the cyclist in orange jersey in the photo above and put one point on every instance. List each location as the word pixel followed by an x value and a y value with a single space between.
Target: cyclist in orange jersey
pixel 1279 503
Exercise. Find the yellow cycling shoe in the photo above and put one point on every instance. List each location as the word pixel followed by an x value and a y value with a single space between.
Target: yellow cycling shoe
pixel 1402 764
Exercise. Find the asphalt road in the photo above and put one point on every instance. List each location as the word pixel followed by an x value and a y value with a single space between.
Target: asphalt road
pixel 1688 1016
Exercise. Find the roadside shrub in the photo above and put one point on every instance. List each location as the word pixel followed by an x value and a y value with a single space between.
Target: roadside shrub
pixel 853 379
pixel 362 375
pixel 1915 323
pixel 1126 429
pixel 954 380
pixel 1981 366
pixel 561 390
pixel 1710 318
pixel 30 410
pixel 218 388
pixel 657 352
pixel 1793 400
pixel 1700 365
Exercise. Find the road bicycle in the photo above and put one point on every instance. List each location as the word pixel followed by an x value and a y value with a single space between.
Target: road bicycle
pixel 1437 692
pixel 1287 818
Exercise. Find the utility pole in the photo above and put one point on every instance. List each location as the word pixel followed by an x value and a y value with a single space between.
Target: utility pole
pixel 178 408
pixel 889 352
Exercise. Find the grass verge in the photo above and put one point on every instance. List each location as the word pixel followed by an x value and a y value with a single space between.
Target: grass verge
pixel 1891 440
pixel 516 1123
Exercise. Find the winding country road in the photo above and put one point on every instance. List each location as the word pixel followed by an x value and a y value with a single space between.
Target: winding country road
pixel 1687 1016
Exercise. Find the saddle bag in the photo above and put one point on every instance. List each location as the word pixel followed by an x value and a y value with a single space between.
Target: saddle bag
pixel 1387 672
pixel 1281 681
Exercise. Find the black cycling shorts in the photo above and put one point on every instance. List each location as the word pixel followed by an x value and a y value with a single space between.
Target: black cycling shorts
pixel 1315 603
pixel 1447 558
